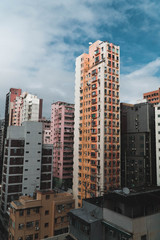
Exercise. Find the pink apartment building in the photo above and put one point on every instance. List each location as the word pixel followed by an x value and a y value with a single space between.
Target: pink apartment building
pixel 62 132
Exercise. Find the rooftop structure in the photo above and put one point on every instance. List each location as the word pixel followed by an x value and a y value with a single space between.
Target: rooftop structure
pixel 127 215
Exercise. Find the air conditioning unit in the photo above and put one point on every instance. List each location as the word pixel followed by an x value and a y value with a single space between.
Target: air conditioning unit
pixel 36 228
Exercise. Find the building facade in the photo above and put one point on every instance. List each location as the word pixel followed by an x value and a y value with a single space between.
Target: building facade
pixel 153 96
pixel 118 216
pixel 10 98
pixel 97 134
pixel 26 107
pixel 157 137
pixel 2 124
pixel 46 125
pixel 41 217
pixel 62 133
pixel 138 157
pixel 27 163
pixel 9 107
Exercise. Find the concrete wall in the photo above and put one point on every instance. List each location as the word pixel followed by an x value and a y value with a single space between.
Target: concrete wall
pixel 148 225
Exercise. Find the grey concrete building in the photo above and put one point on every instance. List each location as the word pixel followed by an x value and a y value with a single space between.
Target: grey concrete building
pixel 138 156
pixel 27 163
pixel 118 215
pixel 2 123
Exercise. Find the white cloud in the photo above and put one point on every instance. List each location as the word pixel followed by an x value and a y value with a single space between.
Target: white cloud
pixel 40 40
pixel 38 44
pixel 134 84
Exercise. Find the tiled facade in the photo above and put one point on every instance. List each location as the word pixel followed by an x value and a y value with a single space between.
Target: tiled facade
pixel 97 135
pixel 46 125
pixel 40 217
pixel 152 97
pixel 62 131
pixel 26 107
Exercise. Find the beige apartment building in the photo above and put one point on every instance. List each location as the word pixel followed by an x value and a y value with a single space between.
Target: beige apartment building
pixel 40 217
pixel 97 122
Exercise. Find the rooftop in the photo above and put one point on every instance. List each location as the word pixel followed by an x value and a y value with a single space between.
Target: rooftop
pixel 131 203
pixel 83 215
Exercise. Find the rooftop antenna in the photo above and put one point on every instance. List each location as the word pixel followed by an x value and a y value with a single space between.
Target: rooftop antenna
pixel 126 190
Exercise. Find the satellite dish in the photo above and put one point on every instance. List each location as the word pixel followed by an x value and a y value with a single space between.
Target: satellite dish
pixel 126 190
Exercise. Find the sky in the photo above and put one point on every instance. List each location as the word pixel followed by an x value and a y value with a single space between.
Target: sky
pixel 40 40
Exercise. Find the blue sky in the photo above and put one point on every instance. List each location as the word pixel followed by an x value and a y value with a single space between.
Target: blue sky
pixel 41 39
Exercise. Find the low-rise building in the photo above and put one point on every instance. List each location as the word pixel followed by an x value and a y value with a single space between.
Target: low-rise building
pixel 118 215
pixel 40 217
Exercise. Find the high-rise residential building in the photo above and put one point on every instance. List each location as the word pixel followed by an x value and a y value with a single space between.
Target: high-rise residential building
pixel 46 126
pixel 153 96
pixel 97 134
pixel 138 157
pixel 10 98
pixel 26 107
pixel 157 137
pixel 27 162
pixel 41 217
pixel 9 106
pixel 20 107
pixel 62 132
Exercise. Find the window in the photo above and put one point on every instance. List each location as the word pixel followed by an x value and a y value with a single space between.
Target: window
pixel 21 225
pixel 46 212
pixel 36 236
pixel 28 211
pixel 144 237
pixel 29 237
pixel 29 224
pixel 46 224
pixel 21 213
pixel 47 196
